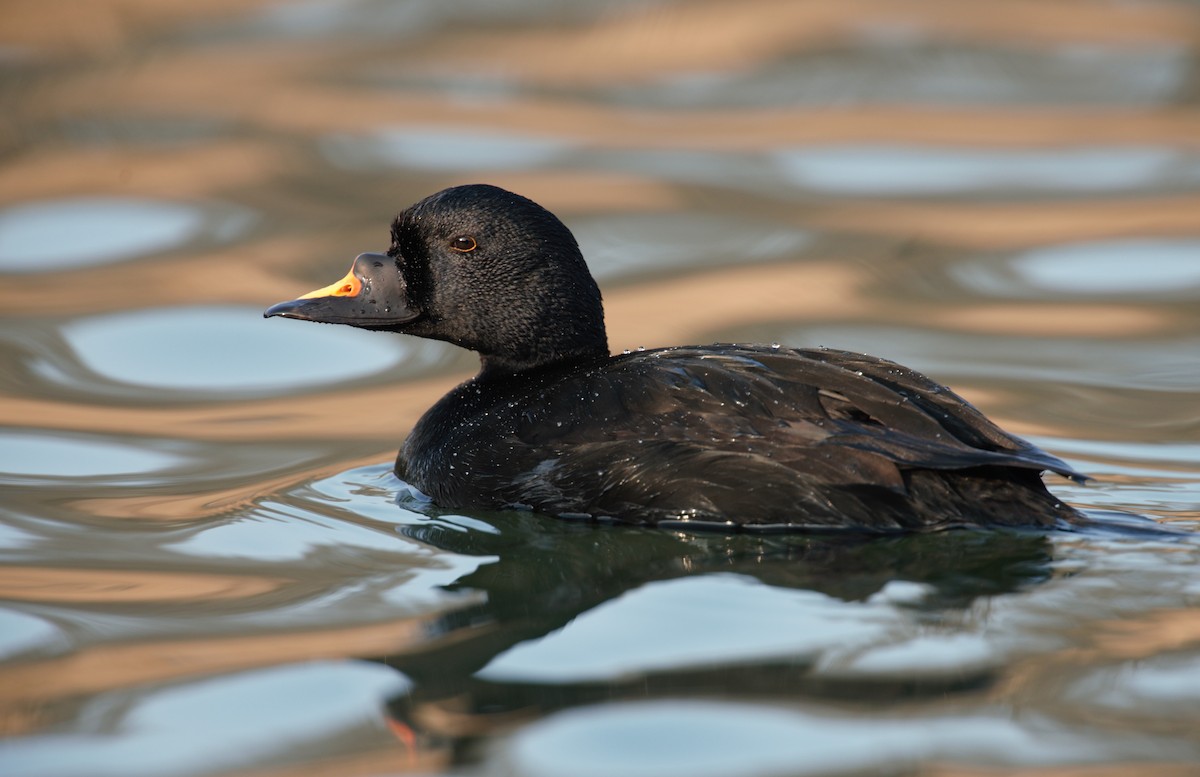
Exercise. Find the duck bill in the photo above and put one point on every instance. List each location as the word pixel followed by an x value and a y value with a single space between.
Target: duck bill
pixel 373 295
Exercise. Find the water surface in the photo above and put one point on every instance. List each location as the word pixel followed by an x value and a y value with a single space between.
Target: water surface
pixel 207 567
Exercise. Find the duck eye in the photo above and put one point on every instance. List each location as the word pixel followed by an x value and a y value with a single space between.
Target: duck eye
pixel 465 244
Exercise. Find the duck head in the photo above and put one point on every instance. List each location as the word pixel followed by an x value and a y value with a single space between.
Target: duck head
pixel 479 267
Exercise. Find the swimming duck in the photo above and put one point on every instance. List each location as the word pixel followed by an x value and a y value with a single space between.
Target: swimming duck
pixel 717 436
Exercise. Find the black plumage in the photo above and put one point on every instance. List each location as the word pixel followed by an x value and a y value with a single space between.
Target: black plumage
pixel 723 435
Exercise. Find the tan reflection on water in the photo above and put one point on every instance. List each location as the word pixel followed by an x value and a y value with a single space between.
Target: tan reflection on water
pixel 104 667
pixel 366 764
pixel 68 28
pixel 209 503
pixel 111 586
pixel 1161 631
pixel 1023 224
pixel 171 173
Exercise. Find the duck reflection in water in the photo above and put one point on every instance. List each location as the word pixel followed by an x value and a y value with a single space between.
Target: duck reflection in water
pixel 547 575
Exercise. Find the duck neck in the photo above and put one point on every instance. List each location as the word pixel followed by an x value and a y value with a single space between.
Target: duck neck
pixel 497 366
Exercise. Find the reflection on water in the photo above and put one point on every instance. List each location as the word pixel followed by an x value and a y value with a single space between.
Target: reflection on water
pixel 1137 363
pixel 905 62
pixel 1162 269
pixel 684 624
pixel 442 149
pixel 693 738
pixel 27 454
pixel 81 231
pixel 222 349
pixel 22 634
pixel 281 714
pixel 207 566
pixel 868 171
pixel 623 245
pixel 60 235
pixel 1113 267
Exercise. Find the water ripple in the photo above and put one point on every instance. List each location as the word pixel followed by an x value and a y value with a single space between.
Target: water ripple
pixel 446 148
pixel 1136 363
pixel 689 737
pixel 905 170
pixel 674 628
pixel 82 231
pixel 1166 268
pixel 28 456
pixel 629 244
pixel 227 349
pixel 254 715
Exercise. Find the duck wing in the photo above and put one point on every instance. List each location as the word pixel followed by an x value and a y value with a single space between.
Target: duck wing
pixel 758 436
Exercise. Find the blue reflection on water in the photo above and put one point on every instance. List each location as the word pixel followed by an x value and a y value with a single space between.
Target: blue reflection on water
pixel 625 244
pixel 23 633
pixel 218 348
pixel 442 149
pixel 83 231
pixel 25 454
pixel 703 738
pixel 275 532
pixel 1162 267
pixel 1068 360
pixel 1113 267
pixel 893 170
pixel 249 716
pixel 694 621
pixel 1168 686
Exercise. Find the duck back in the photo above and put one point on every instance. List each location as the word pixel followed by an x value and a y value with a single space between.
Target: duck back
pixel 724 436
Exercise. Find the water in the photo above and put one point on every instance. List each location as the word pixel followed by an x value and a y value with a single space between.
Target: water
pixel 208 568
